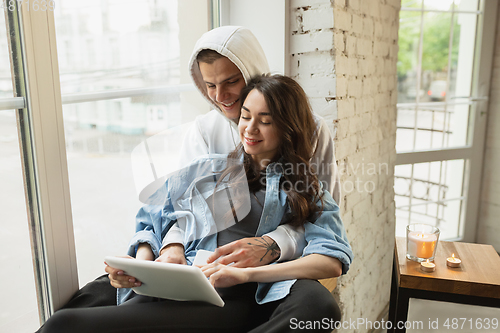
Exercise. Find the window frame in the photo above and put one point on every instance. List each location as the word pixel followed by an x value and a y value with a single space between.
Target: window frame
pixel 473 152
pixel 43 154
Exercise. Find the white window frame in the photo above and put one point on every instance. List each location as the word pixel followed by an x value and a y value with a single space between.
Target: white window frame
pixel 474 151
pixel 43 152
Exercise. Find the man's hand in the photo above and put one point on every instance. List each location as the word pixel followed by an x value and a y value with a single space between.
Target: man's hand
pixel 247 252
pixel 173 253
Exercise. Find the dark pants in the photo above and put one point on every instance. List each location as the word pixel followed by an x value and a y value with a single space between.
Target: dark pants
pixel 99 292
pixel 307 302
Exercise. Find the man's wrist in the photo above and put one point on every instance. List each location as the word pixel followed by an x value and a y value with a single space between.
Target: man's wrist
pixel 273 250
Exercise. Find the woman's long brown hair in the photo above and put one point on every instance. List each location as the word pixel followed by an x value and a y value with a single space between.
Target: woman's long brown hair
pixel 292 118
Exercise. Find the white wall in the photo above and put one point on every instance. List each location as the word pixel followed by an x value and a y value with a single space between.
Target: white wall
pixel 266 19
pixel 488 231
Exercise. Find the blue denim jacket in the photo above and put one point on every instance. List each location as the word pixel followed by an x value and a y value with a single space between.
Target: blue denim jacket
pixel 183 196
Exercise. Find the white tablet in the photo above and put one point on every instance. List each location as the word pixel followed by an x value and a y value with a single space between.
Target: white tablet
pixel 170 281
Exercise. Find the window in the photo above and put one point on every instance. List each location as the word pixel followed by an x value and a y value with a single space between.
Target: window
pixel 443 79
pixel 126 72
pixel 85 114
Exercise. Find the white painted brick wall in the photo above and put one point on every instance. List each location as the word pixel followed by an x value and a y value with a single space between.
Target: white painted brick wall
pixel 344 53
pixel 488 230
pixel 318 41
pixel 318 18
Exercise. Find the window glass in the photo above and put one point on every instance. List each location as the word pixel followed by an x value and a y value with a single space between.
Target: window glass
pixel 18 304
pixel 116 44
pixel 408 56
pixel 433 110
pixel 121 62
pixel 430 193
pixel 5 76
pixel 435 70
pixel 461 79
pixel 411 3
pixel 440 4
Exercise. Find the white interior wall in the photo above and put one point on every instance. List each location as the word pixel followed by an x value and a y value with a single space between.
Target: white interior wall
pixel 266 19
pixel 488 229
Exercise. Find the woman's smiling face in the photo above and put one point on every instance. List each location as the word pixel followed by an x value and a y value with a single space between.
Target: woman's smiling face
pixel 258 133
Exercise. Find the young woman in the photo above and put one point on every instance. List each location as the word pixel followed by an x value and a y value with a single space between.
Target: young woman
pixel 275 127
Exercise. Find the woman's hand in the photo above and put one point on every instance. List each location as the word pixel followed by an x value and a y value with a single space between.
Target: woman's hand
pixel 222 276
pixel 119 279
pixel 173 253
pixel 313 266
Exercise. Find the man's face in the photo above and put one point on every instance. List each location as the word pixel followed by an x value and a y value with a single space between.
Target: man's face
pixel 224 82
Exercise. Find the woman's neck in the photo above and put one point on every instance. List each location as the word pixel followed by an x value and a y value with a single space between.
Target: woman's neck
pixel 260 164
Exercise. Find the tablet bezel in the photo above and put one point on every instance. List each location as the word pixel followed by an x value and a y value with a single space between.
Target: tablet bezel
pixel 170 281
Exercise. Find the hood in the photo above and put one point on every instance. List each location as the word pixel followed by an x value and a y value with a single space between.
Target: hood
pixel 239 45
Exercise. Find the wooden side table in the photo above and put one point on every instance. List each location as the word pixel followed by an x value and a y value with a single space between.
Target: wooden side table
pixel 476 282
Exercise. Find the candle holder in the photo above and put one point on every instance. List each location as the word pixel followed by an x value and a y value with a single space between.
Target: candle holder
pixel 453 262
pixel 421 241
pixel 427 266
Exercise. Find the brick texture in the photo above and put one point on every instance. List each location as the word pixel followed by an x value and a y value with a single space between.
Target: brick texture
pixel 344 54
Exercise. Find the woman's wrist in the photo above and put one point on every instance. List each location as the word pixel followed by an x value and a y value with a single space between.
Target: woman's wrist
pixel 313 266
pixel 254 274
pixel 144 252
